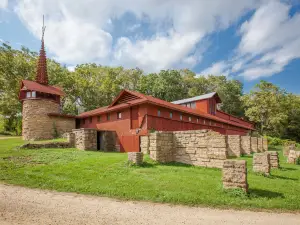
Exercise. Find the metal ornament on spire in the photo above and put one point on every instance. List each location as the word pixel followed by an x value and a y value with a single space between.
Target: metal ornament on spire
pixel 41 72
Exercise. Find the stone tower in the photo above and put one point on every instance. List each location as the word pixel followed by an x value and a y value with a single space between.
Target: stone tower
pixel 40 104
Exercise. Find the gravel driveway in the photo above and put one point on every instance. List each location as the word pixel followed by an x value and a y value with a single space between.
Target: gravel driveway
pixel 20 205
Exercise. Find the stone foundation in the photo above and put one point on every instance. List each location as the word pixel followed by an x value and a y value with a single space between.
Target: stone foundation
pixel 246 145
pixel 274 159
pixel 261 163
pixel 265 144
pixel 135 157
pixel 260 145
pixel 144 144
pixel 293 156
pixel 235 174
pixel 254 147
pixel 234 145
pixel 85 139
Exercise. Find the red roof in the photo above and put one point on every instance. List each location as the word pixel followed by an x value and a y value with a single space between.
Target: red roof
pixel 34 86
pixel 149 99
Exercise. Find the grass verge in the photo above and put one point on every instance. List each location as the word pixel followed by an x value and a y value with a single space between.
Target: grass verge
pixel 109 174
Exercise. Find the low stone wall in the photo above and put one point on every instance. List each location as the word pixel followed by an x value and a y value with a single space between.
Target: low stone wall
pixel 85 139
pixel 246 145
pixel 144 144
pixel 254 147
pixel 265 144
pixel 135 157
pixel 161 146
pixel 235 174
pixel 293 156
pixel 274 159
pixel 234 145
pixel 261 163
pixel 70 138
pixel 47 145
pixel 260 145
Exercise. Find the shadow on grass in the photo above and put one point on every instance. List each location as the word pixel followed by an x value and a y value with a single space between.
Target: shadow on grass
pixel 177 164
pixel 281 177
pixel 258 193
pixel 286 169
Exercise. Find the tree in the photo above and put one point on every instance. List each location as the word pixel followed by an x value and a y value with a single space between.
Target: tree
pixel 267 106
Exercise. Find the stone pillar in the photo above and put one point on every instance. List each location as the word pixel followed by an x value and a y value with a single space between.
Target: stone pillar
pixel 287 148
pixel 260 144
pixel 144 144
pixel 274 159
pixel 135 157
pixel 293 156
pixel 85 139
pixel 161 146
pixel 261 163
pixel 71 139
pixel 265 144
pixel 234 145
pixel 246 145
pixel 235 174
pixel 253 144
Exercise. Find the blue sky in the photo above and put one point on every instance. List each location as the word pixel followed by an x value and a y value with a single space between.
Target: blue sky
pixel 247 40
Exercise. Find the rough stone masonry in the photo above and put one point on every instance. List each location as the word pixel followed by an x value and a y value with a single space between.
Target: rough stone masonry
pixel 234 145
pixel 254 147
pixel 261 163
pixel 135 157
pixel 274 159
pixel 246 145
pixel 235 174
pixel 85 139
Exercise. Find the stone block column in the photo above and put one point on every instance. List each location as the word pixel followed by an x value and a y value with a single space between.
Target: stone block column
pixel 246 145
pixel 265 144
pixel 260 144
pixel 274 159
pixel 144 144
pixel 234 145
pixel 161 146
pixel 71 139
pixel 293 156
pixel 135 157
pixel 85 139
pixel 261 163
pixel 235 174
pixel 254 147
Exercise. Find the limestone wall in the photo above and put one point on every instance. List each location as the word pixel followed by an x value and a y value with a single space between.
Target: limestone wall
pixel 260 144
pixel 261 163
pixel 234 145
pixel 63 124
pixel 235 174
pixel 265 144
pixel 246 145
pixel 85 139
pixel 274 159
pixel 293 156
pixel 254 147
pixel 161 146
pixel 144 144
pixel 36 124
pixel 135 157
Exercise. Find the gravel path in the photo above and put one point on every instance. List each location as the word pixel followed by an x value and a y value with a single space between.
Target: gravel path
pixel 24 206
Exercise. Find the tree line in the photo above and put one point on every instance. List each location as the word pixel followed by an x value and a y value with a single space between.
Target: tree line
pixel 90 86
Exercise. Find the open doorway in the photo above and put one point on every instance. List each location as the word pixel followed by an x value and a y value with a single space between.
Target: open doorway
pixel 99 140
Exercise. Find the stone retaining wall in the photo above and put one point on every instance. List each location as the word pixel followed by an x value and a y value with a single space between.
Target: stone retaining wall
pixel 47 145
pixel 70 138
pixel 254 144
pixel 161 146
pixel 234 145
pixel 235 174
pixel 135 157
pixel 260 145
pixel 293 156
pixel 274 159
pixel 246 145
pixel 144 144
pixel 261 163
pixel 265 144
pixel 85 139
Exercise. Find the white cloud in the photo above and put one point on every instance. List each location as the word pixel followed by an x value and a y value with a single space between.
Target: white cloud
pixel 3 4
pixel 217 69
pixel 80 30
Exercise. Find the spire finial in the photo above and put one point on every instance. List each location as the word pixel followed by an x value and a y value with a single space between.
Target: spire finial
pixel 41 73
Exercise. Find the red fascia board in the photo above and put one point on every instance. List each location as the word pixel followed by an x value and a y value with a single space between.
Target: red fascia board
pixel 34 86
pixel 236 117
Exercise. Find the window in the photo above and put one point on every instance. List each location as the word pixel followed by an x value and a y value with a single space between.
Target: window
pixel 99 118
pixel 197 120
pixel 119 115
pixel 158 112
pixel 171 115
pixel 190 118
pixel 33 94
pixel 91 119
pixel 180 116
pixel 193 105
pixel 108 116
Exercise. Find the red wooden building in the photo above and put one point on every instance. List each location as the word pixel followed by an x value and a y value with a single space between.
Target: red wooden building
pixel 132 114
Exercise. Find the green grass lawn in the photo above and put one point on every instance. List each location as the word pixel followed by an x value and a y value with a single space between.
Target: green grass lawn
pixel 108 174
pixel 49 141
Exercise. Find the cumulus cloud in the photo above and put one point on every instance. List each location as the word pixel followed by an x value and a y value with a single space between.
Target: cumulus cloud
pixel 3 4
pixel 81 30
pixel 218 68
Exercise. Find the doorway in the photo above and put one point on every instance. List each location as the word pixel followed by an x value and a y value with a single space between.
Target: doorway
pixel 99 140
